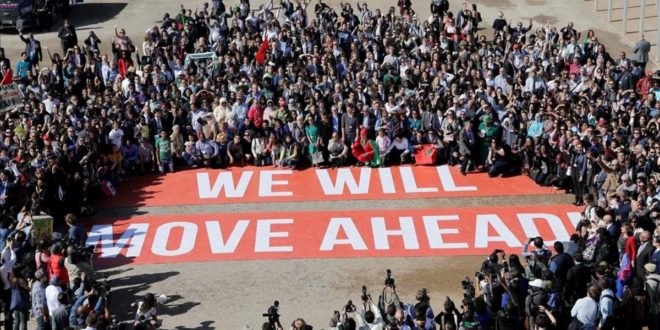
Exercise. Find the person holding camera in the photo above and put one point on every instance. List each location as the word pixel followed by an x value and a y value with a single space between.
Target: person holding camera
pixel 146 311
pixel 370 317
pixel 420 314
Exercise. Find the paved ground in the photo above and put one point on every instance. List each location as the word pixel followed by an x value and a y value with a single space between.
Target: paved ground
pixel 230 295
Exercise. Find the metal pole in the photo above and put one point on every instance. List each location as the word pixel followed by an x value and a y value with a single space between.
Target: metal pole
pixel 609 10
pixel 641 15
pixel 625 16
pixel 596 6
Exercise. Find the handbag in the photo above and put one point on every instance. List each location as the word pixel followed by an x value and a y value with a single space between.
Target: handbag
pixel 20 300
pixel 317 157
pixel 575 325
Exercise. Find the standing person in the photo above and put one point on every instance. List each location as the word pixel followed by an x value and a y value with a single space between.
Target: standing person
pixel 466 146
pixel 652 286
pixel 7 261
pixel 349 126
pixel 164 153
pixel 585 310
pixel 644 253
pixel 20 307
pixel 32 49
pixel 92 44
pixel 53 291
pixel 67 35
pixel 578 168
pixel 39 304
pixel 641 53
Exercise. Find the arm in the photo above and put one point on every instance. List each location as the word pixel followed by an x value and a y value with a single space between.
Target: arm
pixel 74 308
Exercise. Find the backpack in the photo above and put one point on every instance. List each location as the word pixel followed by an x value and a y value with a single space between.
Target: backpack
pixel 536 299
pixel 618 317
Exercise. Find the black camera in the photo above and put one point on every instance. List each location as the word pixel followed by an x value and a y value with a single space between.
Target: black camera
pixel 468 288
pixel 365 296
pixel 349 308
pixel 389 280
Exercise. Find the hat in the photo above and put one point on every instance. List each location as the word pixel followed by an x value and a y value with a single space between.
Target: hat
pixel 537 283
pixel 602 122
pixel 625 177
pixel 650 267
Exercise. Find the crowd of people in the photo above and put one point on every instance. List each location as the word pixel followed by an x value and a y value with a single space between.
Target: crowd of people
pixel 603 279
pixel 233 85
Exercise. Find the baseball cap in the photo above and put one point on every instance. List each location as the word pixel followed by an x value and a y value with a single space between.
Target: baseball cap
pixel 650 267
pixel 537 283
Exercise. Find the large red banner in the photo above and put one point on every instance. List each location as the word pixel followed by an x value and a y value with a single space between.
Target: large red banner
pixel 251 184
pixel 335 234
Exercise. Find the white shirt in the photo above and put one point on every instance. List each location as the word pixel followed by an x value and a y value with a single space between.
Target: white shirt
pixel 52 291
pixel 9 259
pixel 51 105
pixel 586 310
pixel 115 136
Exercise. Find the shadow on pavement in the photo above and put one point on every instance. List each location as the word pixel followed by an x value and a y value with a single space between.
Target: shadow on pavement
pixel 96 13
pixel 129 289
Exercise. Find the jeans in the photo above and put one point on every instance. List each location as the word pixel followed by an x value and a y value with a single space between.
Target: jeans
pixel 21 319
pixel 41 323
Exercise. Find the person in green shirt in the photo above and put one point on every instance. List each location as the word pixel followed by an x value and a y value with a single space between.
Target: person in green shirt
pixel 164 152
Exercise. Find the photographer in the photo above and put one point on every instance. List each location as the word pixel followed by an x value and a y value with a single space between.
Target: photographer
pixel 146 311
pixel 93 301
pixel 78 264
pixel 449 317
pixel 420 314
pixel 389 299
pixel 370 318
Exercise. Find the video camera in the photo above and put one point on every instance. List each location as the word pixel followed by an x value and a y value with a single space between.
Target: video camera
pixel 272 315
pixel 469 290
pixel 365 296
pixel 349 308
pixel 389 280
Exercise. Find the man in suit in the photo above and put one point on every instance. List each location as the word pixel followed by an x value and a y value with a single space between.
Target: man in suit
pixel 613 228
pixel 641 52
pixel 68 36
pixel 92 44
pixel 578 173
pixel 644 253
pixel 368 120
pixel 466 146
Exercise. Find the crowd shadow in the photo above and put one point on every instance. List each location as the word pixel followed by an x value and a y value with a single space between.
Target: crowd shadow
pixel 96 13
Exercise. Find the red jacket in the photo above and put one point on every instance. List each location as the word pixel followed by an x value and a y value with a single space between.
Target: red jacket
pixel 56 267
